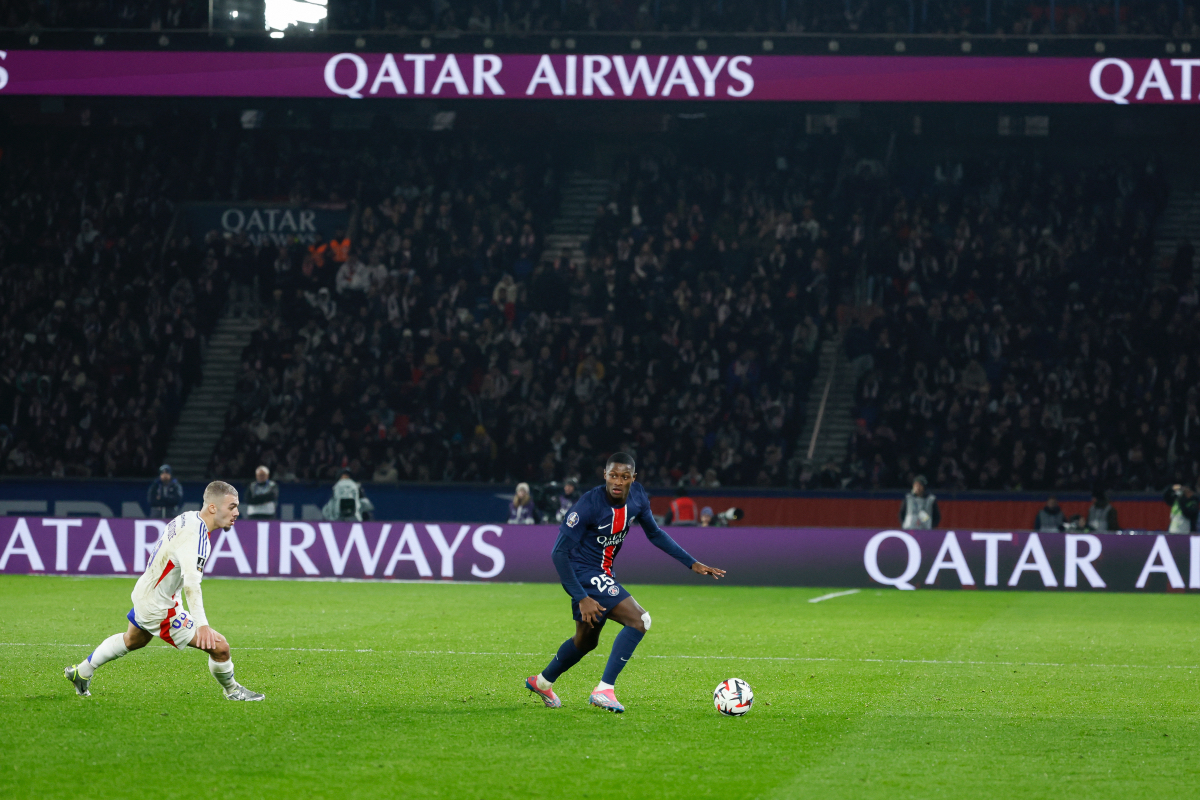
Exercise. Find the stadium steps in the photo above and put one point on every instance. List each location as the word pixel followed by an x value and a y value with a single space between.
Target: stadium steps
pixel 572 227
pixel 203 418
pixel 837 422
pixel 1180 218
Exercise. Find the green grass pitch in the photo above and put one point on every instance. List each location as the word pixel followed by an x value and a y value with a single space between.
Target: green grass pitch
pixel 410 690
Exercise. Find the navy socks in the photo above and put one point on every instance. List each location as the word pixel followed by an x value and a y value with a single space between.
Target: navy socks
pixel 622 650
pixel 568 656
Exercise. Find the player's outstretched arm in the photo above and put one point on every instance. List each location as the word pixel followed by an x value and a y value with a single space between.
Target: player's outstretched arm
pixel 704 569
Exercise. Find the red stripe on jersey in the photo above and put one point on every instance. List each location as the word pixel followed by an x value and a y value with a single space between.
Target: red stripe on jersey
pixel 164 630
pixel 618 525
pixel 606 564
pixel 170 566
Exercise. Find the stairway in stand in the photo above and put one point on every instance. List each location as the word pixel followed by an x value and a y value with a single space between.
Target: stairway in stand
pixel 203 418
pixel 832 424
pixel 577 213
pixel 1181 218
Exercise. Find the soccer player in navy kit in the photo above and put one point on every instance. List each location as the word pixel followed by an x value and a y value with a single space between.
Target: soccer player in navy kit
pixel 588 542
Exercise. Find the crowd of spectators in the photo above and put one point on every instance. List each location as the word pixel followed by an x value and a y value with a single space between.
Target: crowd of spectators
pixel 1139 17
pixel 764 16
pixel 1025 337
pixel 443 348
pixel 1016 338
pixel 101 316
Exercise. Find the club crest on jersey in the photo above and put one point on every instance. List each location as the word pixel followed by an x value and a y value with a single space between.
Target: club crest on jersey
pixel 572 520
pixel 614 591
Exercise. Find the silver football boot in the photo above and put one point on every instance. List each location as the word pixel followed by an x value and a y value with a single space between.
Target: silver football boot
pixel 240 692
pixel 81 685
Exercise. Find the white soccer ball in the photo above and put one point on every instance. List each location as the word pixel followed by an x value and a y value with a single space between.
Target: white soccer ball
pixel 733 697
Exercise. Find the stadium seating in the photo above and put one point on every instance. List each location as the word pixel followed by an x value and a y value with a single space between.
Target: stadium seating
pixel 103 315
pixel 1140 17
pixel 1022 339
pixel 687 335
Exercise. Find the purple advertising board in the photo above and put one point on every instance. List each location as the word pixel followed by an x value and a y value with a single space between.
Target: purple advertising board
pixel 599 77
pixel 753 556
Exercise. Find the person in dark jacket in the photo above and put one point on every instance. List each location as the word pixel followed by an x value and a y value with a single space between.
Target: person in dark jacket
pixel 568 498
pixel 262 496
pixel 165 495
pixel 1185 508
pixel 1050 518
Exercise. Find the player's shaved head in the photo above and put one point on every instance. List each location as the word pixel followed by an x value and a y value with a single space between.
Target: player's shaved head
pixel 216 491
pixel 620 458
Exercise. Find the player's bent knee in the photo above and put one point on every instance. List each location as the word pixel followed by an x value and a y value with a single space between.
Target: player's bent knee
pixel 136 641
pixel 220 651
pixel 645 621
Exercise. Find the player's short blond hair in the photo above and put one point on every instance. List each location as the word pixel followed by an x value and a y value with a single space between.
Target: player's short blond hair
pixel 215 492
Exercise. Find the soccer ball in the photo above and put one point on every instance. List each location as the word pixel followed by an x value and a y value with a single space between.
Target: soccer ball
pixel 733 697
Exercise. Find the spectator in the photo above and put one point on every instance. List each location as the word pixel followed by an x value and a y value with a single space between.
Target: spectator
pixel 707 520
pixel 1101 514
pixel 522 510
pixel 386 472
pixel 165 495
pixel 262 496
pixel 920 511
pixel 1050 518
pixel 1185 507
pixel 568 498
pixel 347 503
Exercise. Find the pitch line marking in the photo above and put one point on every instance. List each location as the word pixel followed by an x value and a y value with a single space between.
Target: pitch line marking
pixel 690 658
pixel 832 595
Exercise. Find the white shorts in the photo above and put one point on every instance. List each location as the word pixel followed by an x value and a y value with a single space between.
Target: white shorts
pixel 176 629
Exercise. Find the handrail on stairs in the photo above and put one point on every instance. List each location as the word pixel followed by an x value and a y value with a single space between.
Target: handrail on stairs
pixel 812 445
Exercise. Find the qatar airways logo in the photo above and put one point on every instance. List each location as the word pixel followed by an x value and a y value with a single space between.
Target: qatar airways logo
pixel 483 75
pixel 1114 79
pixel 616 538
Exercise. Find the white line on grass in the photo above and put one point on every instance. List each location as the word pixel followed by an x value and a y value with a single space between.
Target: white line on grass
pixel 690 658
pixel 832 595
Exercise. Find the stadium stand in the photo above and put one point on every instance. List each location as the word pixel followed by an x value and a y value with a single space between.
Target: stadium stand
pixel 1021 341
pixel 843 17
pixel 1003 312
pixel 103 315
pixel 446 350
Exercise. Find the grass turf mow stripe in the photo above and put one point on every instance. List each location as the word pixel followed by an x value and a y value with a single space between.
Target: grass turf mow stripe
pixel 721 658
pixel 381 691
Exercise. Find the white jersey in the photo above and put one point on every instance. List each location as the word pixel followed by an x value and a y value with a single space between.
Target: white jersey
pixel 178 561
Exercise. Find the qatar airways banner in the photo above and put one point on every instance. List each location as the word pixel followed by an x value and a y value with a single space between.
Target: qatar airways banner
pixel 666 77
pixel 752 556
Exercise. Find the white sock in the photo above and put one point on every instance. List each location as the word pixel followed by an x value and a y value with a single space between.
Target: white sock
pixel 223 672
pixel 110 648
pixel 543 684
pixel 602 686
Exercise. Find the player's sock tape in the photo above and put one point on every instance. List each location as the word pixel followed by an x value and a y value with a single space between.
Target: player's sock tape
pixel 646 619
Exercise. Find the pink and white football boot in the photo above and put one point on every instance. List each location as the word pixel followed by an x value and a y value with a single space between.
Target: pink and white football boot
pixel 606 699
pixel 548 696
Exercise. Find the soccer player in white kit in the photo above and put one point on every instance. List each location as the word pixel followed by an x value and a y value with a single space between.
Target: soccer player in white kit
pixel 177 564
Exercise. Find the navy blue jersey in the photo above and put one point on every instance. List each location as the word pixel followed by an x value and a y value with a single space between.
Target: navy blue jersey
pixel 593 532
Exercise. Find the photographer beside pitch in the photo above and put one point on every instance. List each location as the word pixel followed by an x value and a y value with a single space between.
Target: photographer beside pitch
pixel 177 564
pixel 588 542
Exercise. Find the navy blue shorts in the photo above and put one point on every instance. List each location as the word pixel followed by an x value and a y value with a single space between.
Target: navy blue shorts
pixel 601 588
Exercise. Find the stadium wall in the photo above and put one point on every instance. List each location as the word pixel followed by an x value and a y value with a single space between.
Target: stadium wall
pixel 978 511
pixel 855 557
